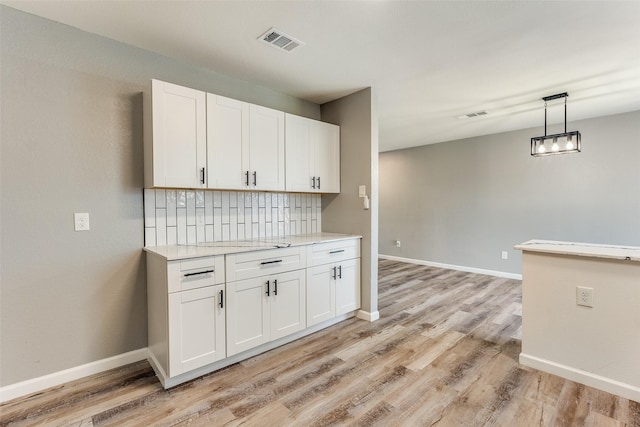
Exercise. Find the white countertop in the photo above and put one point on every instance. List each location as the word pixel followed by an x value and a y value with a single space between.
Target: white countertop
pixel 628 253
pixel 175 252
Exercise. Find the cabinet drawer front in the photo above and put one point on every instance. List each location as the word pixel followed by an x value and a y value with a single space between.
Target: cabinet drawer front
pixel 260 263
pixel 195 273
pixel 325 253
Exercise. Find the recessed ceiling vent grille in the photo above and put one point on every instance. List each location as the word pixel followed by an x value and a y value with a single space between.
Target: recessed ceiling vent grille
pixel 278 39
pixel 468 116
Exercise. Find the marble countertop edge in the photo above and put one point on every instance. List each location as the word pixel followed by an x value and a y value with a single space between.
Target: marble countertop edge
pixel 626 253
pixel 177 252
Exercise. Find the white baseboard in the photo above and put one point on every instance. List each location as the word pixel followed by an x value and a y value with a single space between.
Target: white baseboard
pixel 35 385
pixel 453 267
pixel 609 385
pixel 368 316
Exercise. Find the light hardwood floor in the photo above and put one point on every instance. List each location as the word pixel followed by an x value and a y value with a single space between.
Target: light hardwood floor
pixel 444 353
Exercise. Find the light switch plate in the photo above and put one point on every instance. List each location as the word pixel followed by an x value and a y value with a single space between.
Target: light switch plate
pixel 81 221
pixel 362 191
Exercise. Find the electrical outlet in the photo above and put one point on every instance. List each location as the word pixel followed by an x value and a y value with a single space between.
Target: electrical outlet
pixel 584 296
pixel 505 255
pixel 398 244
pixel 81 221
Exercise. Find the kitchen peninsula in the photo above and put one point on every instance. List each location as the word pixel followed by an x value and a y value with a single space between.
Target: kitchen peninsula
pixel 581 313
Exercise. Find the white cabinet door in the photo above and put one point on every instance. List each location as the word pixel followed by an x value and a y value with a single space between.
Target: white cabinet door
pixel 178 147
pixel 288 303
pixel 320 294
pixel 248 320
pixel 348 286
pixel 196 328
pixel 227 142
pixel 298 153
pixel 266 149
pixel 326 157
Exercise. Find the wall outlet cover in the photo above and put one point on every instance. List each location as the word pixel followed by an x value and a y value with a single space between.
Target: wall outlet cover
pixel 81 221
pixel 584 296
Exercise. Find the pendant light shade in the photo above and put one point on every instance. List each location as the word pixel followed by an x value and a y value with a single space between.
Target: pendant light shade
pixel 560 143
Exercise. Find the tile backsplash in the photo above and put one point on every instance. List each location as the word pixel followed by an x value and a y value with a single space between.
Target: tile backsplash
pixel 186 217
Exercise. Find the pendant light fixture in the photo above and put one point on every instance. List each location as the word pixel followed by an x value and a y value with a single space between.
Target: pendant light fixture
pixel 560 143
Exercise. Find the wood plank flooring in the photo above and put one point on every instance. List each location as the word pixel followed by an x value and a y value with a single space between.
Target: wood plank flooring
pixel 444 353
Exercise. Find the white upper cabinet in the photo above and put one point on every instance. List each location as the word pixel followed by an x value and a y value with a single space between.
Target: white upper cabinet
pixel 326 156
pixel 312 153
pixel 245 145
pixel 175 136
pixel 266 149
pixel 227 141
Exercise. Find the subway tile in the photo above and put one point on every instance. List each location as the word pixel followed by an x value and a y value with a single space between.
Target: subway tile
pixel 181 198
pixel 208 232
pixel 233 199
pixel 262 230
pixel 240 232
pixel 191 235
pixel 233 224
pixel 182 225
pixel 171 208
pixel 208 208
pixel 225 207
pixel 247 230
pixel 217 224
pixel 255 233
pixel 172 236
pixel 191 208
pixel 201 234
pixel 199 199
pixel 240 201
pixel 281 228
pixel 161 227
pixel 267 207
pixel 217 199
pixel 225 232
pixel 149 208
pixel 161 200
pixel 261 200
pixel 150 236
pixel 200 217
pixel 269 230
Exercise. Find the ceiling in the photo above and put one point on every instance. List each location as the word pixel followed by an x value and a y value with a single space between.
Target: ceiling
pixel 428 61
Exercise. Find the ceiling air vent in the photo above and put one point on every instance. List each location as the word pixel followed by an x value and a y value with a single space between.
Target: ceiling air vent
pixel 278 39
pixel 468 116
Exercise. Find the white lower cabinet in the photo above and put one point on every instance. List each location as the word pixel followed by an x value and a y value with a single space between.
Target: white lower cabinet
pixel 263 309
pixel 333 280
pixel 186 313
pixel 196 328
pixel 197 323
pixel 347 286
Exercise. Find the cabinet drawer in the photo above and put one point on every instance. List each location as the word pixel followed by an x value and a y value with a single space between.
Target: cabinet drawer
pixel 272 261
pixel 195 273
pixel 325 253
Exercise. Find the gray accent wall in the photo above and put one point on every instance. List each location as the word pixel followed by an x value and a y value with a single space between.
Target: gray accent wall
pixel 71 141
pixel 357 115
pixel 464 202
